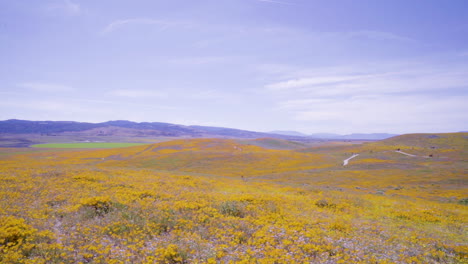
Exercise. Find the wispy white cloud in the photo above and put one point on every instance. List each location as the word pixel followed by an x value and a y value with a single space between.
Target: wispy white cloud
pixel 63 108
pixel 424 96
pixel 131 93
pixel 162 24
pixel 312 81
pixel 46 87
pixel 378 35
pixel 123 103
pixel 276 2
pixel 214 94
pixel 67 7
pixel 72 7
pixel 381 113
pixel 53 107
pixel 422 80
pixel 331 36
pixel 194 61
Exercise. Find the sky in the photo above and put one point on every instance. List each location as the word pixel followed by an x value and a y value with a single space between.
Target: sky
pixel 313 66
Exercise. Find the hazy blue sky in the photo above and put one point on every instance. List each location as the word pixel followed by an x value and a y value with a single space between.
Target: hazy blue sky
pixel 337 66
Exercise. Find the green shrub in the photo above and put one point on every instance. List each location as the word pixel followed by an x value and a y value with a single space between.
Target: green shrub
pixel 325 204
pixel 233 208
pixel 96 206
pixel 463 201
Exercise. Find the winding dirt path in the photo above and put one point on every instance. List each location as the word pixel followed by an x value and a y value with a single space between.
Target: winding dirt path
pixel 345 162
pixel 411 155
pixel 404 153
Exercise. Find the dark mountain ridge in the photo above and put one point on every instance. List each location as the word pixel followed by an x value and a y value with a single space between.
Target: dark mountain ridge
pixel 14 126
pixel 151 129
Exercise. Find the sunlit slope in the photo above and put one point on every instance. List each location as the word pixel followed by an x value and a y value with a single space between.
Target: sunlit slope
pixel 216 157
pixel 436 169
pixel 208 156
pixel 438 147
pixel 445 146
pixel 441 140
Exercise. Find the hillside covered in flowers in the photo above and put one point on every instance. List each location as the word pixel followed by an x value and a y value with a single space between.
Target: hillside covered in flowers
pixel 402 200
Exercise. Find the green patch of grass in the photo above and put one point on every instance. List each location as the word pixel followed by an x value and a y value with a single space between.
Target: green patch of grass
pixel 87 145
pixel 271 143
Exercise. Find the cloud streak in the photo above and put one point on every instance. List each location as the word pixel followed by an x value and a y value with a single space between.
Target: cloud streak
pixel 129 93
pixel 398 81
pixel 378 35
pixel 380 113
pixel 162 24
pixel 312 81
pixel 196 61
pixel 46 87
pixel 416 96
pixel 276 2
pixel 66 7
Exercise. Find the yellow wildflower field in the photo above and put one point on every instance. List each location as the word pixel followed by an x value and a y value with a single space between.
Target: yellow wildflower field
pixel 227 201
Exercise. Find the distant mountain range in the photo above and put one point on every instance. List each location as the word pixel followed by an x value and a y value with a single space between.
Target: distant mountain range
pixel 124 128
pixel 157 129
pixel 289 133
pixel 373 136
